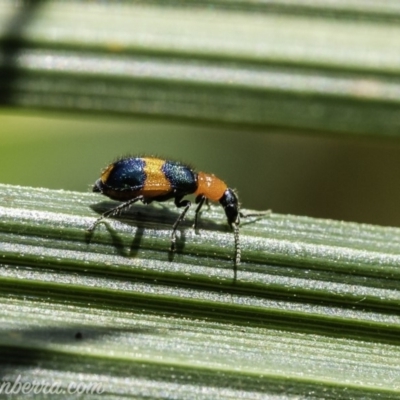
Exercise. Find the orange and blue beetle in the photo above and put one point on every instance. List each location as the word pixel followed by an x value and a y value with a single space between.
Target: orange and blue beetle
pixel 149 179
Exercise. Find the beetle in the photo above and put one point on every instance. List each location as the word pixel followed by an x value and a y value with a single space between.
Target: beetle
pixel 148 179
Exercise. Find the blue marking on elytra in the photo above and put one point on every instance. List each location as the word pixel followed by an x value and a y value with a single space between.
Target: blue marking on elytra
pixel 127 174
pixel 182 178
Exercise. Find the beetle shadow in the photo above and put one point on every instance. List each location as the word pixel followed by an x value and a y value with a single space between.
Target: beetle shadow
pixel 148 216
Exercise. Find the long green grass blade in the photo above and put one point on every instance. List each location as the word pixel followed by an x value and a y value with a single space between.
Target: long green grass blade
pixel 313 312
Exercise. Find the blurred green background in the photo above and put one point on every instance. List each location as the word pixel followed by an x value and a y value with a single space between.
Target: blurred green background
pixel 348 178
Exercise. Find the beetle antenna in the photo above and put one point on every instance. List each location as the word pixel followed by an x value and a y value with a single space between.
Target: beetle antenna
pixel 238 252
pixel 260 214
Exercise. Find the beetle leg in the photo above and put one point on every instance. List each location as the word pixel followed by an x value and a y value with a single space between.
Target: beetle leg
pixel 179 203
pixel 115 211
pixel 200 200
